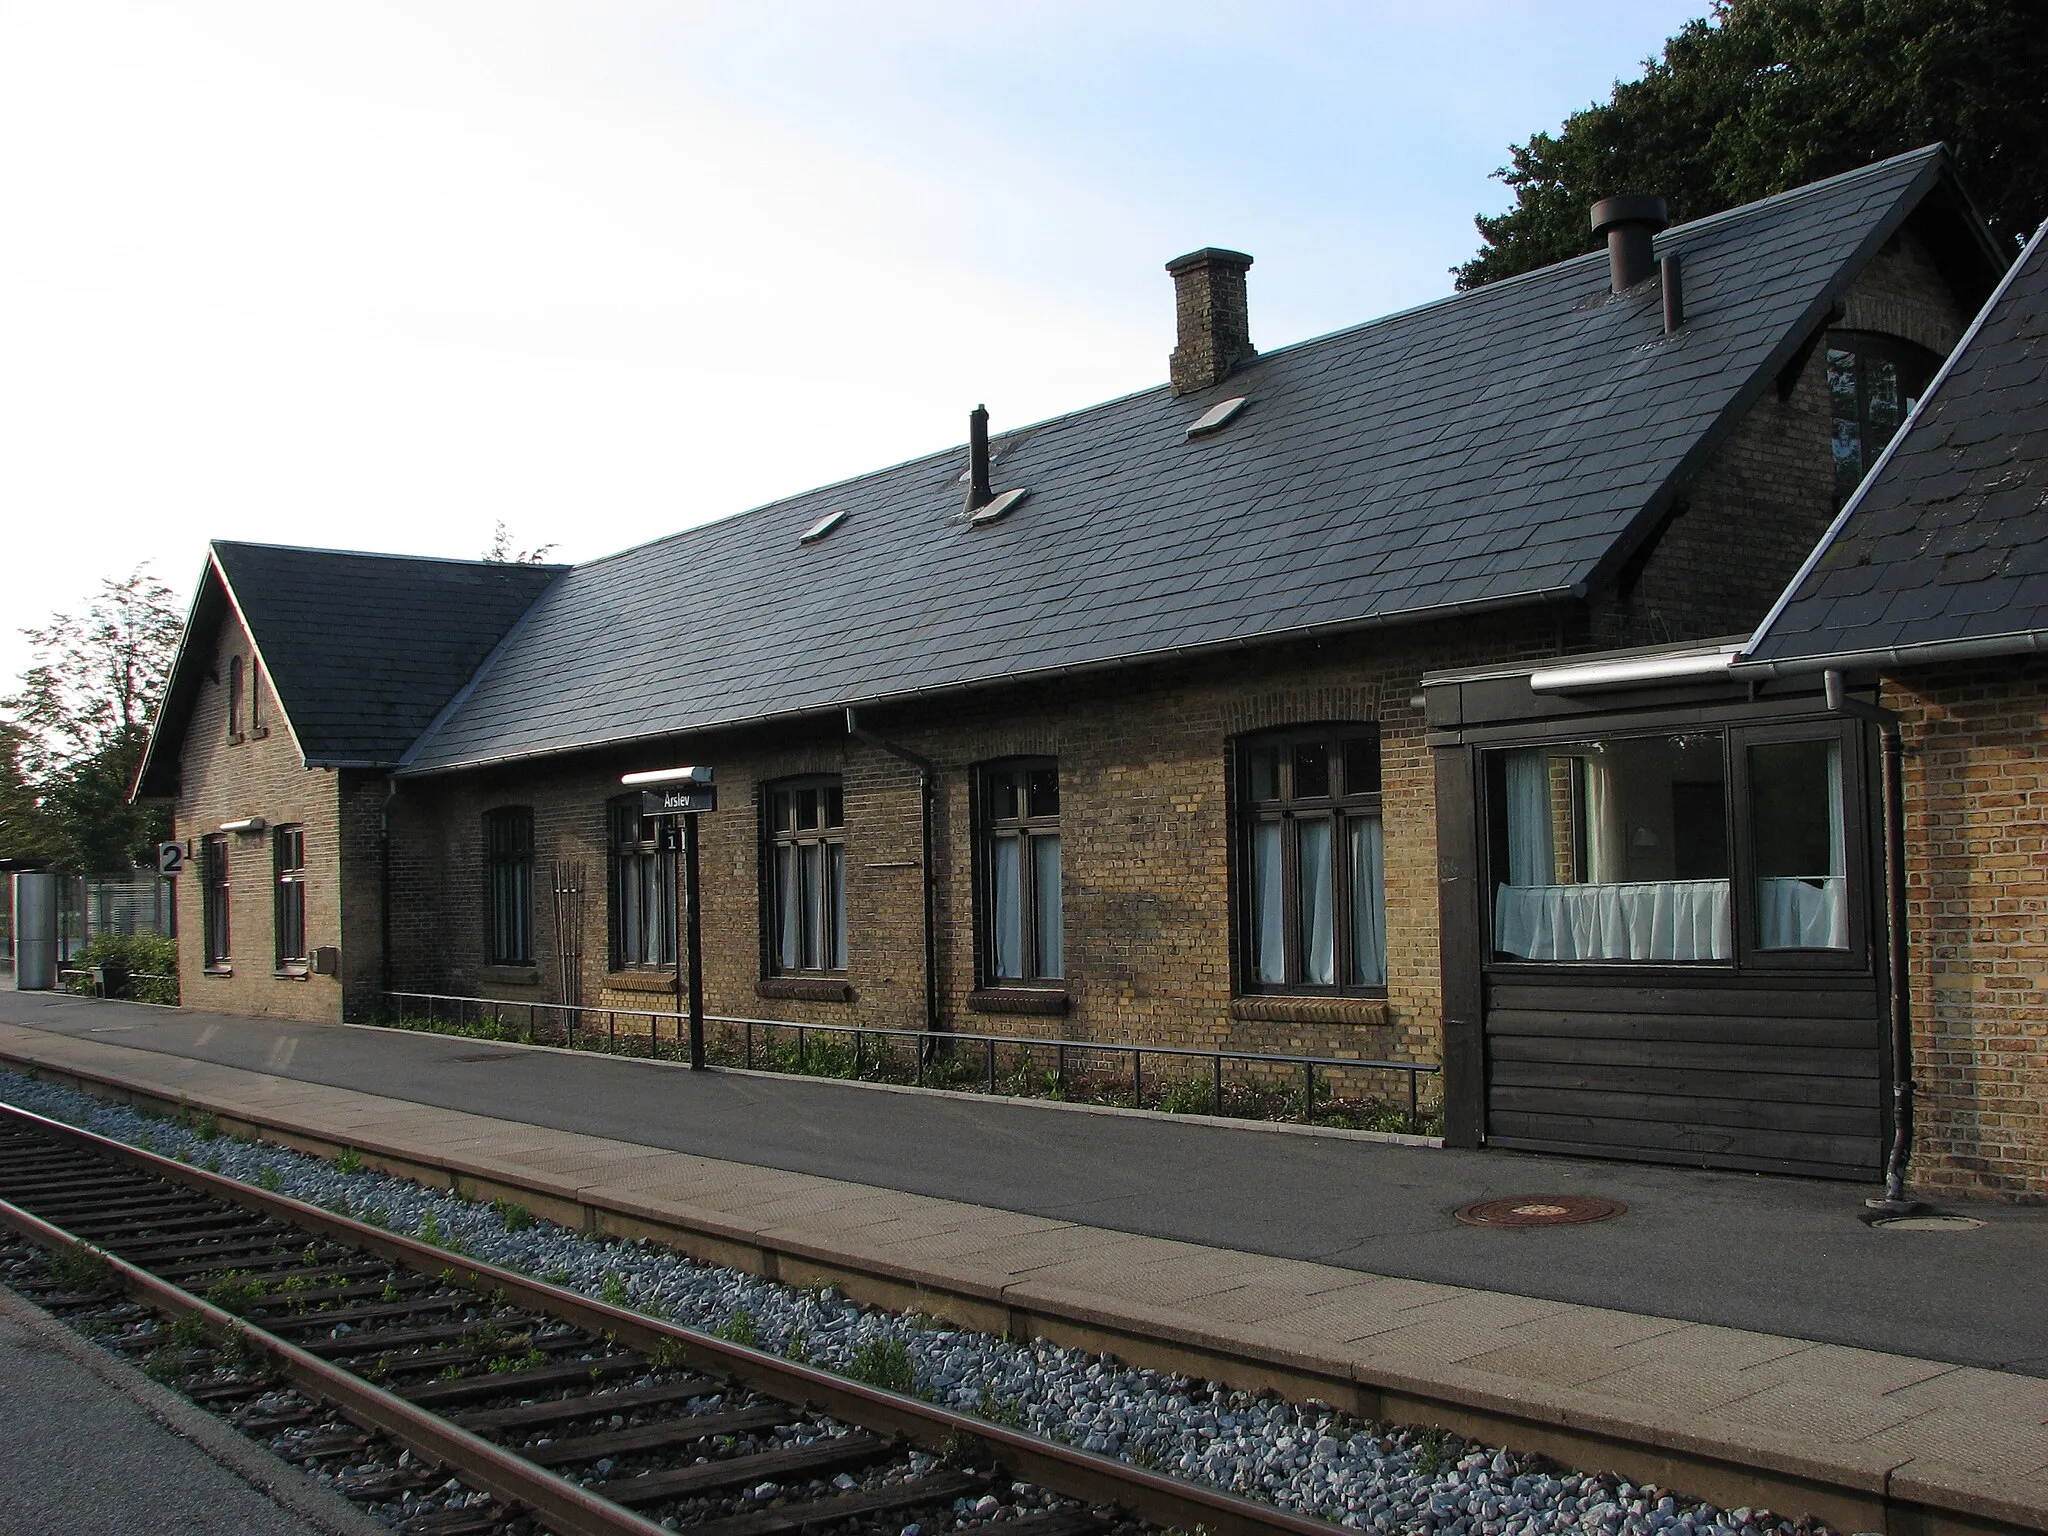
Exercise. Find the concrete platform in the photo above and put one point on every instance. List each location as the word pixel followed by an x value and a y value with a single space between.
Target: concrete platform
pixel 89 1445
pixel 1868 1439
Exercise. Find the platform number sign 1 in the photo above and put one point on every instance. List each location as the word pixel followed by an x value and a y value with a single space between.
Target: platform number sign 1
pixel 170 859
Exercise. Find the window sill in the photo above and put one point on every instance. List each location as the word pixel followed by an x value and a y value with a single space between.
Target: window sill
pixel 292 972
pixel 1312 1010
pixel 218 970
pixel 259 733
pixel 236 738
pixel 810 989
pixel 518 975
pixel 640 981
pixel 1018 1000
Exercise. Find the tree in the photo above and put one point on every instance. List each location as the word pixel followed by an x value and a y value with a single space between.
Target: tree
pixel 79 724
pixel 1763 95
pixel 501 551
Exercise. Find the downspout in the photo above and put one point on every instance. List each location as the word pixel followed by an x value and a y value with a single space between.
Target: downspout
pixel 384 886
pixel 1893 1202
pixel 927 780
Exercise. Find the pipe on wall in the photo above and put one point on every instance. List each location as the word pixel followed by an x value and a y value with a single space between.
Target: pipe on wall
pixel 927 786
pixel 1892 744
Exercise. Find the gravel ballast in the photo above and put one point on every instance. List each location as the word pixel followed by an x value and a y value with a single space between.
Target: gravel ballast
pixel 1303 1457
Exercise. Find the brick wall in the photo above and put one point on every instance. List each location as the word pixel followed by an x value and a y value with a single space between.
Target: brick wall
pixel 260 775
pixel 1977 854
pixel 1750 516
pixel 1145 829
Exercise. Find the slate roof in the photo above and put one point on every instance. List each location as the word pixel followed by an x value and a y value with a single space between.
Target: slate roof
pixel 1946 541
pixel 363 650
pixel 1498 447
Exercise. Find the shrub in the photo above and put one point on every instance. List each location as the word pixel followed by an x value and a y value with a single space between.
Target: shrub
pixel 740 1328
pixel 140 966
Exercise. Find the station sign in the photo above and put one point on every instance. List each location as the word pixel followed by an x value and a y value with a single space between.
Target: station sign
pixel 170 858
pixel 678 800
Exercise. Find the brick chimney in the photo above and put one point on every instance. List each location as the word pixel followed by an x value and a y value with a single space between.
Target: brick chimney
pixel 1209 311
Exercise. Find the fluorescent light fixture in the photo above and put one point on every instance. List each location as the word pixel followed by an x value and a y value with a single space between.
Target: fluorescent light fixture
pixel 246 824
pixel 668 776
pixel 1218 416
pixel 1000 508
pixel 822 526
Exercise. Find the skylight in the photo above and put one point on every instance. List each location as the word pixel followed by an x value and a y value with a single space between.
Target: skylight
pixel 822 526
pixel 1218 416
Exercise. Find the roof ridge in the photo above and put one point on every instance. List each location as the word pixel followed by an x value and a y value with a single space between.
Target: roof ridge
pixel 385 554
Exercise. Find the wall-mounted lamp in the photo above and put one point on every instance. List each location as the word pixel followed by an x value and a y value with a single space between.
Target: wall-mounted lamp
pixel 668 776
pixel 246 824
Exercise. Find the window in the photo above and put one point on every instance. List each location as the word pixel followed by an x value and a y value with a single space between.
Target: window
pixel 807 876
pixel 1022 936
pixel 256 726
pixel 1798 845
pixel 1613 850
pixel 213 877
pixel 288 896
pixel 1313 888
pixel 508 886
pixel 234 698
pixel 1873 382
pixel 1662 848
pixel 643 886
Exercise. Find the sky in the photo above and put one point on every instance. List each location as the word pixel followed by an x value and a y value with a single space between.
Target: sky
pixel 379 276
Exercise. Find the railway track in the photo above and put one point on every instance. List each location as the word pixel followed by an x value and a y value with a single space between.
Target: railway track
pixel 456 1397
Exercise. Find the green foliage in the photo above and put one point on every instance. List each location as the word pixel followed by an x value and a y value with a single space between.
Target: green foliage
pixel 740 1328
pixel 189 1331
pixel 236 1291
pixel 613 1291
pixel 348 1160
pixel 517 1218
pixel 139 966
pixel 1435 1449
pixel 76 728
pixel 165 1364
pixel 999 1410
pixel 960 1449
pixel 268 1178
pixel 797 1347
pixel 884 1363
pixel 430 1229
pixel 1189 1096
pixel 80 1270
pixel 206 1125
pixel 1763 95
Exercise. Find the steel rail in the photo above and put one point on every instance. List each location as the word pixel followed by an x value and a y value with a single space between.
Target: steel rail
pixel 1067 1470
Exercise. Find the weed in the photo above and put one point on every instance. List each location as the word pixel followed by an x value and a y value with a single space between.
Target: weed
pixel 212 1163
pixel 189 1331
pixel 1434 1449
pixel 960 1449
pixel 999 1410
pixel 525 1362
pixel 430 1229
pixel 389 1293
pixel 268 1178
pixel 348 1160
pixel 1188 1096
pixel 517 1218
pixel 206 1125
pixel 668 1355
pixel 739 1329
pixel 236 1291
pixel 237 1351
pixel 613 1291
pixel 374 1216
pixel 310 1256
pixel 450 1373
pixel 797 1347
pixel 884 1363
pixel 557 1277
pixel 165 1364
pixel 80 1270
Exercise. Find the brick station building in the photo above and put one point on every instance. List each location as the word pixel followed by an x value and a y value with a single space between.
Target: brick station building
pixel 1110 732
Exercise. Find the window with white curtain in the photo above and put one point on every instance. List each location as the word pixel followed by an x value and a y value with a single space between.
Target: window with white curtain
pixel 643 886
pixel 1613 850
pixel 807 876
pixel 1313 887
pixel 1798 844
pixel 1023 930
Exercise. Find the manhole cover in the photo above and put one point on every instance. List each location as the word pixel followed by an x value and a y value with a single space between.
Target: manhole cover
pixel 1541 1211
pixel 1934 1223
pixel 489 1056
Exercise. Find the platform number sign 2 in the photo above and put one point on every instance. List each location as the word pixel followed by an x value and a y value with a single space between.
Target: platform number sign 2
pixel 170 859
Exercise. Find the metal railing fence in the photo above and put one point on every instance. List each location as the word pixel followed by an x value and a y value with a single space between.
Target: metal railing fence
pixel 936 1058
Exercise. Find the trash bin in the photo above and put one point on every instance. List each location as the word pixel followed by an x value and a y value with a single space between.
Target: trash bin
pixel 35 930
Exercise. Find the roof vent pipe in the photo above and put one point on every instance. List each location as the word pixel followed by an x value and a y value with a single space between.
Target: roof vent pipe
pixel 1628 224
pixel 1212 323
pixel 979 493
pixel 1673 284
